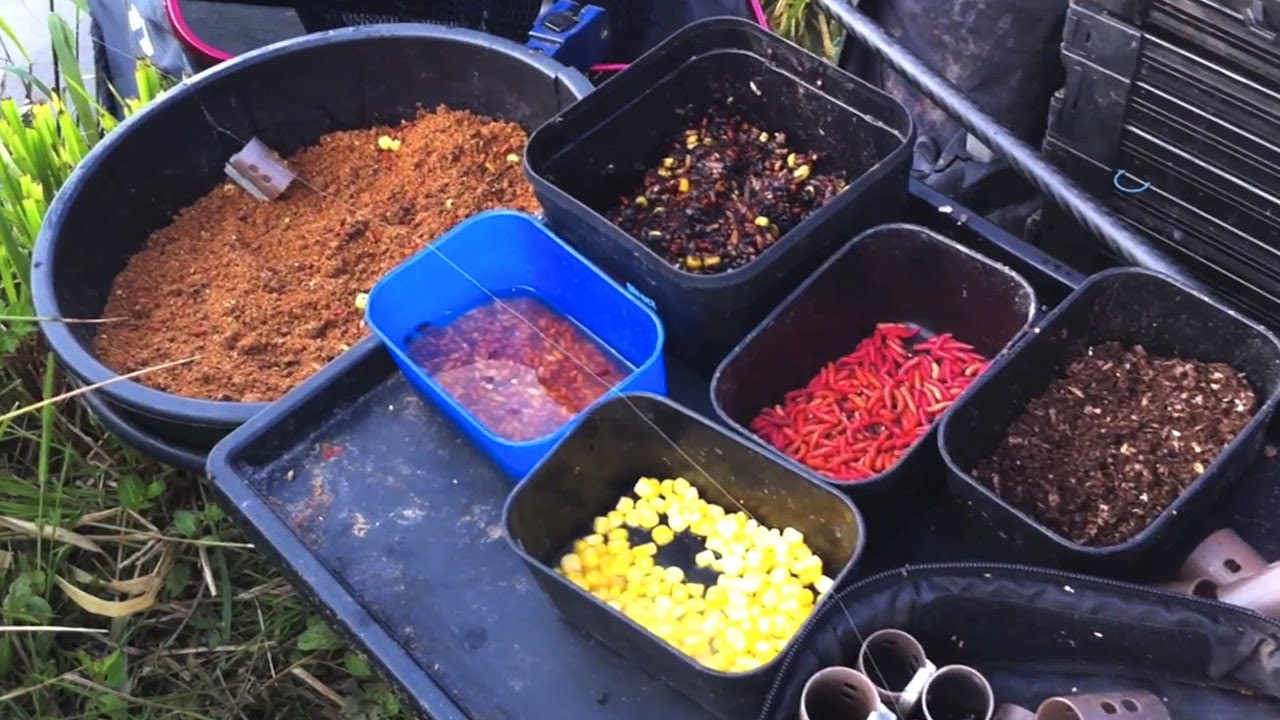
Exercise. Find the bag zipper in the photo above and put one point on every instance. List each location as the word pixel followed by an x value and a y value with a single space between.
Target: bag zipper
pixel 837 602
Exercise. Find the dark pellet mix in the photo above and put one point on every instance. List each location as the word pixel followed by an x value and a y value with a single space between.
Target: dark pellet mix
pixel 726 191
pixel 1109 446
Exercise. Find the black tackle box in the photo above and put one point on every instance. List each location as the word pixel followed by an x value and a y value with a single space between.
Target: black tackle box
pixel 1171 113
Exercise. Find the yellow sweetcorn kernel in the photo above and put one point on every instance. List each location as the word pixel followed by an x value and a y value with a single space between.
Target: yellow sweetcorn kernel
pixel 625 504
pixel 644 562
pixel 716 597
pixel 631 518
pixel 617 547
pixel 590 558
pixel 616 519
pixel 594 539
pixel 674 574
pixel 680 593
pixel 681 487
pixel 645 550
pixel 634 576
pixel 580 580
pixel 731 566
pixel 751 583
pixel 805 596
pixel 676 521
pixel 648 519
pixel 823 585
pixel 647 487
pixel 601 525
pixel 779 576
pixel 618 533
pixel 696 590
pixel 665 487
pixel 705 559
pixel 662 535
pixel 792 536
pixel 570 563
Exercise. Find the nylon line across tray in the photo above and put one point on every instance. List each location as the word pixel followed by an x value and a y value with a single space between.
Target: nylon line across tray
pixel 389 521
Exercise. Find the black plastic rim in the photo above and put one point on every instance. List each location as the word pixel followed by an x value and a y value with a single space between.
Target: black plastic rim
pixel 81 363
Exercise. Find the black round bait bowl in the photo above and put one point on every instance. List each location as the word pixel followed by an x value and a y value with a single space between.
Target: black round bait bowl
pixel 287 95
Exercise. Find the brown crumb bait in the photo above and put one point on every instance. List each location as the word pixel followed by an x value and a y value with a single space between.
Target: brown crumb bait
pixel 265 292
pixel 1111 445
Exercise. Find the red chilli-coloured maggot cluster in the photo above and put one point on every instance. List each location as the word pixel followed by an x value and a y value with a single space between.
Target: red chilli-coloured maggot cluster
pixel 860 413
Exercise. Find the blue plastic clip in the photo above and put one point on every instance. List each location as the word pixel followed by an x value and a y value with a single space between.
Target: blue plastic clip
pixel 574 34
pixel 1129 189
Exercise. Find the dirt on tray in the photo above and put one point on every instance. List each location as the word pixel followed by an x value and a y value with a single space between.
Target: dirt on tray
pixel 1109 446
pixel 265 292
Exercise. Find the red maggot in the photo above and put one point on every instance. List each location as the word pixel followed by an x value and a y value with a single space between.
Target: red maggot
pixel 860 413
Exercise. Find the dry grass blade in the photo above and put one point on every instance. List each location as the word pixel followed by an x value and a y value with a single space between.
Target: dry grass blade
pixel 49 629
pixel 318 686
pixel 50 532
pixel 148 585
pixel 6 560
pixel 136 586
pixel 90 388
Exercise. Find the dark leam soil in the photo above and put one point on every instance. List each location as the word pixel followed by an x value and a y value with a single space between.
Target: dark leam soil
pixel 1111 445
pixel 265 292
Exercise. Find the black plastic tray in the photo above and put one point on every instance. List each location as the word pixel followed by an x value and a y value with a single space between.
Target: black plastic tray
pixel 390 522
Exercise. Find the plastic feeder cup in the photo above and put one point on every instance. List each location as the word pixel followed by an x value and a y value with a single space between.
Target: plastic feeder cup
pixel 1133 307
pixel 596 152
pixel 889 274
pixel 629 437
pixel 502 253
pixel 173 152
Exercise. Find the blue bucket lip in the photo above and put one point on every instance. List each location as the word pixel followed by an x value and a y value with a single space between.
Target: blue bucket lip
pixel 448 398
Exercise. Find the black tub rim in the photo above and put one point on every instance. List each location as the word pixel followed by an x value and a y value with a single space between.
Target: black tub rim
pixel 76 359
pixel 905 133
pixel 1261 416
pixel 888 476
pixel 841 579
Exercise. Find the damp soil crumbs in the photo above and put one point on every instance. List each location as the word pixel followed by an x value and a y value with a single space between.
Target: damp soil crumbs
pixel 265 292
pixel 1111 444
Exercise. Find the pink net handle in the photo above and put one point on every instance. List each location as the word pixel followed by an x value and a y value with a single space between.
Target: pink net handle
pixel 756 9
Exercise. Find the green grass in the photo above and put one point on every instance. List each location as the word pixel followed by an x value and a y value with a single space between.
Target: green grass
pixel 124 591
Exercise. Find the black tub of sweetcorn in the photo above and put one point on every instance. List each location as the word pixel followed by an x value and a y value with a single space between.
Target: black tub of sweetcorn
pixel 636 436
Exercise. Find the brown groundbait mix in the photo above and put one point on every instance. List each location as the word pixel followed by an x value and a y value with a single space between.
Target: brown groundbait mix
pixel 264 292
